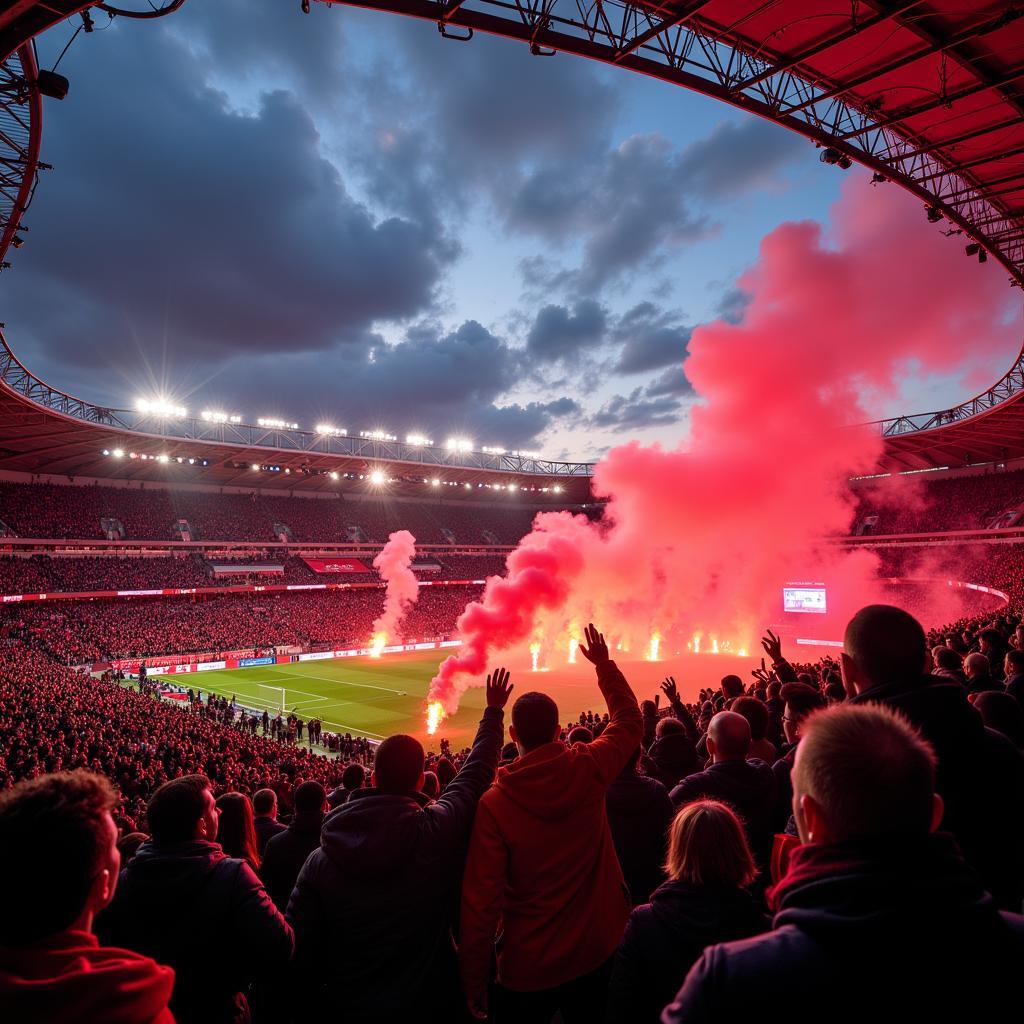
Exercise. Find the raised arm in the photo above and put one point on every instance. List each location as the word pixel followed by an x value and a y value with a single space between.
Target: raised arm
pixel 612 748
pixel 773 648
pixel 680 710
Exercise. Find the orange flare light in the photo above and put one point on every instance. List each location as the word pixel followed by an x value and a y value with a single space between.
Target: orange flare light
pixel 377 644
pixel 435 716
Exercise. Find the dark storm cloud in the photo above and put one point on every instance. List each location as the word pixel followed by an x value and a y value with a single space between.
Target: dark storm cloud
pixel 440 383
pixel 559 332
pixel 635 412
pixel 738 156
pixel 173 219
pixel 733 304
pixel 651 338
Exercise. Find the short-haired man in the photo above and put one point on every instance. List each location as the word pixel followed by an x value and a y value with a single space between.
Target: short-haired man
pixel 287 852
pixel 352 778
pixel 182 901
pixel 58 868
pixel 372 907
pixel 264 810
pixel 746 784
pixel 878 917
pixel 981 774
pixel 542 861
pixel 979 674
pixel 799 700
pixel 1013 667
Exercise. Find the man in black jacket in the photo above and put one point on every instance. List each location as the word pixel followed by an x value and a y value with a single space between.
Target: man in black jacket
pixel 287 851
pixel 372 908
pixel 980 774
pixel 264 809
pixel 1013 666
pixel 747 786
pixel 639 812
pixel 877 918
pixel 182 901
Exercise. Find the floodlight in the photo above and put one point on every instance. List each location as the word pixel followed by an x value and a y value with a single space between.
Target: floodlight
pixel 376 478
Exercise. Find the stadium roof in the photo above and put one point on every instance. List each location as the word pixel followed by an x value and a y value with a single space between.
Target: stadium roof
pixel 928 94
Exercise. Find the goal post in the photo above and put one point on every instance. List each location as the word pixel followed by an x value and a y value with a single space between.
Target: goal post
pixel 275 696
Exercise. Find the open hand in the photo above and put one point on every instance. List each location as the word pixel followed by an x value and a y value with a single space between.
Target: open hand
pixel 772 646
pixel 596 651
pixel 498 688
pixel 670 689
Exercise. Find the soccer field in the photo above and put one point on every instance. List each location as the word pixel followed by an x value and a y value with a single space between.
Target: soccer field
pixel 372 697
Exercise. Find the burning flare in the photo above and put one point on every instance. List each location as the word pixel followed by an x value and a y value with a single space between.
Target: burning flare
pixel 435 716
pixel 377 644
pixel 573 645
pixel 652 651
pixel 534 656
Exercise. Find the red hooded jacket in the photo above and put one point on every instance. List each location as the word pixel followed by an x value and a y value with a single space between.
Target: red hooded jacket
pixel 69 978
pixel 542 860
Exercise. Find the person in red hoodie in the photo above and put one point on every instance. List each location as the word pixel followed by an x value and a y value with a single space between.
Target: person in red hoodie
pixel 542 864
pixel 59 864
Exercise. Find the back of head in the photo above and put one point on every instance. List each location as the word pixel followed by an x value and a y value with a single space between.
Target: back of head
pixel 868 771
pixel 1015 659
pixel 581 734
pixel 52 835
pixel 886 644
pixel 730 734
pixel 264 801
pixel 431 787
pixel 755 713
pixel 353 777
pixel 947 659
pixel 535 720
pixel 669 727
pixel 236 831
pixel 707 846
pixel 175 808
pixel 976 664
pixel 1000 711
pixel 309 799
pixel 802 699
pixel 732 686
pixel 399 764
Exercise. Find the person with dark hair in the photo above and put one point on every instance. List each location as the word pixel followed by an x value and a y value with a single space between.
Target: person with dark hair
pixel 799 700
pixel 704 901
pixel 639 812
pixel 756 715
pixel 1013 668
pixel 947 663
pixel 182 901
pixel 129 843
pixel 287 852
pixel 734 778
pixel 59 867
pixel 732 687
pixel 1000 712
pixel 993 645
pixel 981 774
pixel 581 734
pixel 264 808
pixel 236 832
pixel 542 862
pixel 877 910
pixel 352 778
pixel 385 877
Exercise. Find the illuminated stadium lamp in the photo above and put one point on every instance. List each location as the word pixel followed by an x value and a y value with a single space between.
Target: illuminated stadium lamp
pixel 163 458
pixel 418 440
pixel 118 453
pixel 493 451
pixel 435 482
pixel 333 475
pixel 277 424
pixel 459 444
pixel 160 407
pixel 377 435
pixel 557 489
pixel 256 466
pixel 513 487
pixel 326 428
pixel 376 478
pixel 216 416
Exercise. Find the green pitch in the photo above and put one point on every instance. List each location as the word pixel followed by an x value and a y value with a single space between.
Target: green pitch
pixel 374 697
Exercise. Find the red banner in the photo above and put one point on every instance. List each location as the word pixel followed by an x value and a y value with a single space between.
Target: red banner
pixel 336 565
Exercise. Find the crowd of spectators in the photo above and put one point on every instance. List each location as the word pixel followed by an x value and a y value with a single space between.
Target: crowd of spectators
pixel 78 632
pixel 850 830
pixel 58 511
pixel 927 505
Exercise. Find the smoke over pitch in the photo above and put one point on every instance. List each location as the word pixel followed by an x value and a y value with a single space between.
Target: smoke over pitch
pixel 393 563
pixel 698 540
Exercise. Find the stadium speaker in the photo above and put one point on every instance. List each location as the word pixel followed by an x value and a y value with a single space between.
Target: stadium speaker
pixel 53 85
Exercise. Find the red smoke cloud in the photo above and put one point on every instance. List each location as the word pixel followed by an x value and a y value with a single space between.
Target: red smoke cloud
pixel 700 539
pixel 393 563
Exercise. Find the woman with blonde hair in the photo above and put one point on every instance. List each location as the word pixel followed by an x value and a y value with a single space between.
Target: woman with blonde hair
pixel 705 901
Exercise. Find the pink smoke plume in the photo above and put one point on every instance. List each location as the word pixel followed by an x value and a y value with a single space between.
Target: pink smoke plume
pixel 393 563
pixel 699 539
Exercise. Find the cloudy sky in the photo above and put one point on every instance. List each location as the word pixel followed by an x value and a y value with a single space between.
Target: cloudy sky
pixel 345 217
